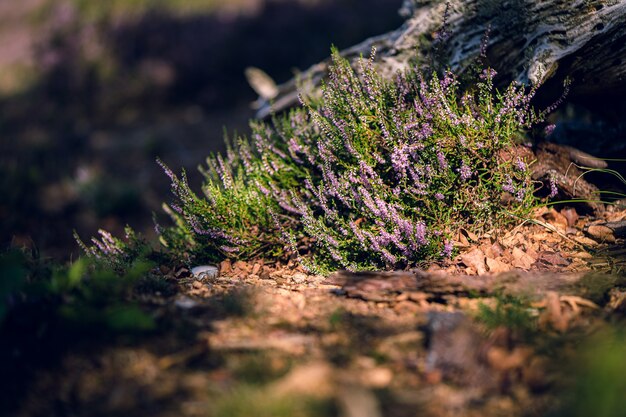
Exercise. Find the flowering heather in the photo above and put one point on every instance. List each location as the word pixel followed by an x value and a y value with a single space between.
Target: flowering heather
pixel 377 173
pixel 113 252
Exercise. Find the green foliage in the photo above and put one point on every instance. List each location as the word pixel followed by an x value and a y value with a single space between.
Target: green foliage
pixel 599 385
pixel 377 173
pixel 114 253
pixel 13 279
pixel 88 293
pixel 249 401
pixel 511 312
pixel 97 295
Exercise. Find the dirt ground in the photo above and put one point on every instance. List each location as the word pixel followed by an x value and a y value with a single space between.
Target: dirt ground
pixel 529 323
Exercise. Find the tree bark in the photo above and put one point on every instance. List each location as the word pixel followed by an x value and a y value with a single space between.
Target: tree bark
pixel 531 41
pixel 385 286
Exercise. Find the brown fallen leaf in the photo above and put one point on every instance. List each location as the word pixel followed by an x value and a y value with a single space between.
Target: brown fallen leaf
pixel 521 259
pixel 556 219
pixel 601 233
pixel 461 241
pixel 552 259
pixel 582 255
pixel 225 267
pixel 576 302
pixel 471 236
pixel 553 314
pixel 496 266
pixel 492 250
pixel 571 215
pixel 475 259
pixel 617 300
pixel 585 241
pixel 241 266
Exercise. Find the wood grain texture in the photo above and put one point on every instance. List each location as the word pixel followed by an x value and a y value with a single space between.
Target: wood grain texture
pixel 530 41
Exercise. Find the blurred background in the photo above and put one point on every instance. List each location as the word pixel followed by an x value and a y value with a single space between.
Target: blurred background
pixel 91 92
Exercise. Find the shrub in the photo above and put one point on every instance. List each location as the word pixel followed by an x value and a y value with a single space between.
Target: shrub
pixel 377 173
pixel 114 253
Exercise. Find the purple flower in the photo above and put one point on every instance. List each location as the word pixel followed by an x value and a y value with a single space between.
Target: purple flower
pixel 519 164
pixel 465 171
pixel 400 160
pixel 548 130
pixel 447 249
pixel 488 74
pixel 509 187
pixel 441 158
pixel 553 188
pixel 439 196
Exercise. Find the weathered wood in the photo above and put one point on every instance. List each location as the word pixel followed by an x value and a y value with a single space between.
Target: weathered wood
pixel 530 41
pixel 563 165
pixel 385 286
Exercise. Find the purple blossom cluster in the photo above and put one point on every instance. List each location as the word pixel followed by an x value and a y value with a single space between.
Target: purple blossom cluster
pixel 379 174
pixel 115 253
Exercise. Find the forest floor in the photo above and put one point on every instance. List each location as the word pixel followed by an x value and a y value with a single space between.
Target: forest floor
pixel 527 323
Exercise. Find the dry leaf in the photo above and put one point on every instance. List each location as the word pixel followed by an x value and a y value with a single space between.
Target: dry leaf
pixel 521 259
pixel 571 215
pixel 556 219
pixel 552 258
pixel 554 313
pixel 496 266
pixel 461 241
pixel 225 267
pixel 471 236
pixel 601 233
pixel 581 255
pixel 492 250
pixel 585 241
pixel 475 259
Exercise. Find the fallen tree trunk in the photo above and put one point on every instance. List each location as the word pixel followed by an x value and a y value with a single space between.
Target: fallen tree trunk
pixel 530 41
pixel 385 286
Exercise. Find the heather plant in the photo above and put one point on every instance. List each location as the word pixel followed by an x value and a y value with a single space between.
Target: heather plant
pixel 117 254
pixel 243 196
pixel 377 173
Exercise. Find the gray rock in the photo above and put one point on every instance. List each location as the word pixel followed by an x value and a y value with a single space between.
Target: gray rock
pixel 204 271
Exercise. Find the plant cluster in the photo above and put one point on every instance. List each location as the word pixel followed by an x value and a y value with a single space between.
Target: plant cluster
pixel 82 295
pixel 116 253
pixel 377 173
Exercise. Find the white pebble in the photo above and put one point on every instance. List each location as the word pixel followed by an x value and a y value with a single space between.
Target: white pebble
pixel 204 271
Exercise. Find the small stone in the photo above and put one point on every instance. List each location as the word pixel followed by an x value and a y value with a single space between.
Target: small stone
pixel 204 271
pixel 197 284
pixel 185 303
pixel 256 268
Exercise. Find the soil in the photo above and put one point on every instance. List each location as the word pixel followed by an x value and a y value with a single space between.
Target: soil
pixel 525 322
pixel 495 331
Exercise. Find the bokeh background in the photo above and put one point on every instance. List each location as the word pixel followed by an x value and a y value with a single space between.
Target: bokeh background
pixel 92 92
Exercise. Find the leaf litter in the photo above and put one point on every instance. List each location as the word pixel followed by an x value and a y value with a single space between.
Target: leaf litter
pixel 485 333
